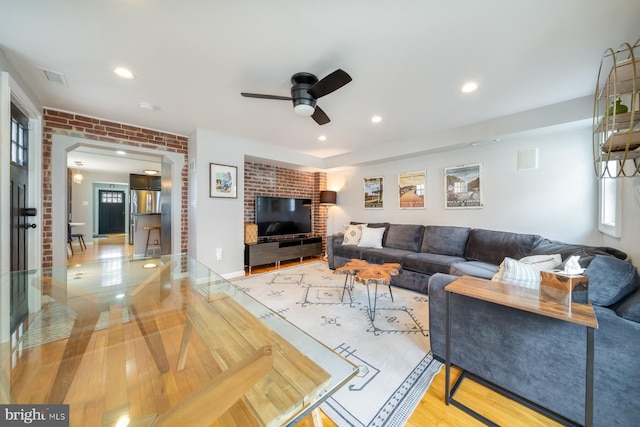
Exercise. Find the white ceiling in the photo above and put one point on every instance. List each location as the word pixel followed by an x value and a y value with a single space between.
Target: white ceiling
pixel 408 60
pixel 99 160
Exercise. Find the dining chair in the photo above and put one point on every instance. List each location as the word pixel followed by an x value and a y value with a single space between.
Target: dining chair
pixel 79 236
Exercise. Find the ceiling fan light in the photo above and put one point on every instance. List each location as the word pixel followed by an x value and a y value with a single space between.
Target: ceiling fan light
pixel 304 110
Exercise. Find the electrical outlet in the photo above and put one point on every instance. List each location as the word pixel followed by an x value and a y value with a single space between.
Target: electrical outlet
pixel 218 254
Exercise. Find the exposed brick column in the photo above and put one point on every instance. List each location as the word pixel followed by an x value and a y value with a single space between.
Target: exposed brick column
pixel 267 180
pixel 71 124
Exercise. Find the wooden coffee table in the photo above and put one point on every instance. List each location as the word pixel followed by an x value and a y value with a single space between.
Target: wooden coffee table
pixel 374 274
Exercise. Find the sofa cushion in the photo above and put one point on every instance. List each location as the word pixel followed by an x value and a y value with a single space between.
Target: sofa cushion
pixel 352 234
pixel 610 280
pixel 630 307
pixel 484 270
pixel 430 263
pixel 383 255
pixel 525 274
pixel 371 237
pixel 445 240
pixel 404 236
pixel 494 246
pixel 349 252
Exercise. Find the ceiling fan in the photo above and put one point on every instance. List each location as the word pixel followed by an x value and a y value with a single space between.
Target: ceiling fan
pixel 306 90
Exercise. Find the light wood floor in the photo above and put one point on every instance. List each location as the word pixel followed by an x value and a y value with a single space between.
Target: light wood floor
pixel 431 411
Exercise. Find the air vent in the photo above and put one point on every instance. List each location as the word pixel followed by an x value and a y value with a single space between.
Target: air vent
pixel 54 77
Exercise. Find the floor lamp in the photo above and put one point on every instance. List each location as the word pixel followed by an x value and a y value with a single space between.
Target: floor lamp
pixel 327 198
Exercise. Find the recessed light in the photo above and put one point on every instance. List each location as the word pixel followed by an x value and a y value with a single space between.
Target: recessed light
pixel 120 296
pixel 124 73
pixel 376 119
pixel 150 265
pixel 150 171
pixel 322 138
pixel 122 153
pixel 469 87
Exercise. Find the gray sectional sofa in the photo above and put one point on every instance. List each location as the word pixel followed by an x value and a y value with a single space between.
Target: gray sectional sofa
pixel 540 359
pixel 423 251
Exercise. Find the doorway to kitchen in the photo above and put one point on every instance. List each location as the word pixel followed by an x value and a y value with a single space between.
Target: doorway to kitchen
pixel 171 194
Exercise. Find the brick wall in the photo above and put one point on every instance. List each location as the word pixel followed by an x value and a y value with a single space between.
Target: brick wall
pixel 266 180
pixel 62 123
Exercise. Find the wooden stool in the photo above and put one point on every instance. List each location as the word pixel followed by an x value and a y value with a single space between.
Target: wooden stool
pixel 149 228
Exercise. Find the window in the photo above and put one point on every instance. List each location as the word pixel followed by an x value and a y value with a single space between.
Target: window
pixel 111 197
pixel 610 215
pixel 19 137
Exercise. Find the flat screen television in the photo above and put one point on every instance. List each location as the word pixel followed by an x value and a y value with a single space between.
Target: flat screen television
pixel 282 216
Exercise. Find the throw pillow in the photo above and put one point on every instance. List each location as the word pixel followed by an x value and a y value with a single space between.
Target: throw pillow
pixel 352 234
pixel 371 237
pixel 610 280
pixel 527 275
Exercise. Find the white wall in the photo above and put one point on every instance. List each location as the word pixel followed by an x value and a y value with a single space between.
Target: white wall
pixel 558 200
pixel 216 222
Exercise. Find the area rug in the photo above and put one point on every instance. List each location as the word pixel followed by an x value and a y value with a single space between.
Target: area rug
pixel 392 351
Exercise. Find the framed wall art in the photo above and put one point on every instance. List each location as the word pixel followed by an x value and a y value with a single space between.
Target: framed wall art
pixel 463 186
pixel 223 181
pixel 411 190
pixel 373 193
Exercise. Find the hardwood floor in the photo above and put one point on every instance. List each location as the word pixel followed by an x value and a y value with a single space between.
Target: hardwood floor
pixel 114 246
pixel 431 411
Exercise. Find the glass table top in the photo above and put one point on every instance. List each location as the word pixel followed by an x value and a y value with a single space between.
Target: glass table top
pixel 162 341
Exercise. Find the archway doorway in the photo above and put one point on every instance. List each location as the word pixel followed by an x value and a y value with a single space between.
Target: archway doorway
pixel 171 170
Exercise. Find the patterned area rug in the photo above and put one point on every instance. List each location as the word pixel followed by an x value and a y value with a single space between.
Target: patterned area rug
pixel 392 350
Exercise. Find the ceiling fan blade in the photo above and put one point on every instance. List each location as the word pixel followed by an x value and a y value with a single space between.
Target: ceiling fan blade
pixel 330 83
pixel 261 96
pixel 320 116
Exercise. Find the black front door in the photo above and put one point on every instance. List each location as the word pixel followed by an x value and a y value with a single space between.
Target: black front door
pixel 19 225
pixel 111 212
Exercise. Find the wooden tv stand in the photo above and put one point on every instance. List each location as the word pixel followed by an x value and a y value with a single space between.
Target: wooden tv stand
pixel 274 251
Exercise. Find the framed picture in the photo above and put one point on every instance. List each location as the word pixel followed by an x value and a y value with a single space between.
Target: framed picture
pixel 373 193
pixel 463 186
pixel 411 190
pixel 223 181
